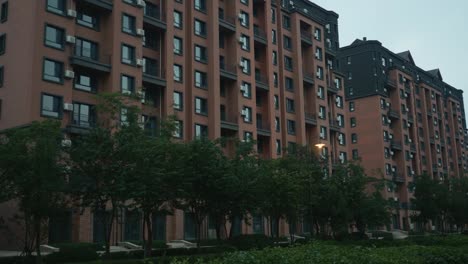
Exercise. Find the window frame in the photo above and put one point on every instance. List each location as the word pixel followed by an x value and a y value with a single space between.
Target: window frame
pixel 61 77
pixel 60 106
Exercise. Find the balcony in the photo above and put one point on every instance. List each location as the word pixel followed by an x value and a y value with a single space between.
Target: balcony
pixel 410 118
pixel 407 88
pixel 261 81
pixel 81 124
pixel 229 123
pixel 391 83
pixel 227 71
pixel 413 147
pixel 227 23
pixel 308 78
pixel 332 89
pixel 153 74
pixel 263 129
pixel 432 140
pixel 90 59
pixel 334 125
pixel 393 114
pixel 105 5
pixel 396 145
pixel 154 16
pixel 398 178
pixel 306 38
pixel 311 119
pixel 260 36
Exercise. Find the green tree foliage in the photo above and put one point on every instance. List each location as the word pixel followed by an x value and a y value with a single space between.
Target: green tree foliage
pixel 35 176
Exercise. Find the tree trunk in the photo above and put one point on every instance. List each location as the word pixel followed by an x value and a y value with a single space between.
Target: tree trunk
pixel 149 239
pixel 37 227
pixel 108 229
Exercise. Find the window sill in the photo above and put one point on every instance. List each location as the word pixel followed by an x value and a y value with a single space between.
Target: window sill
pixel 50 81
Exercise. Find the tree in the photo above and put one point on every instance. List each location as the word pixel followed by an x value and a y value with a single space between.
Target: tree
pixel 34 171
pixel 202 180
pixel 458 202
pixel 425 199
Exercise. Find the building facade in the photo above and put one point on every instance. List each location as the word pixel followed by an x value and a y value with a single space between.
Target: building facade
pixel 404 121
pixel 253 69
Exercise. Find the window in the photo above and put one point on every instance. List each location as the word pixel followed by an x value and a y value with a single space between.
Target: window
pixel 278 147
pixel 385 135
pixel 292 147
pixel 273 15
pixel 290 105
pixel 245 2
pixel 2 44
pixel 54 37
pixel 200 53
pixel 178 74
pixel 318 34
pixel 319 72
pixel 248 136
pixel 83 115
pixel 318 53
pixel 338 83
pixel 355 154
pixel 353 138
pixel 2 74
pixel 275 79
pixel 321 92
pixel 322 112
pixel 245 42
pixel 353 121
pixel 273 36
pixel 277 124
pixel 51 106
pixel 275 58
pixel 127 84
pixel 56 6
pixel 178 46
pixel 350 75
pixel 128 24
pixel 339 101
pixel 200 5
pixel 178 101
pixel 123 117
pixel 244 19
pixel 287 42
pixel 85 82
pixel 0 109
pixel 341 139
pixel 4 12
pixel 291 127
pixel 177 19
pixel 201 106
pixel 276 101
pixel 128 54
pixel 201 79
pixel 178 129
pixel 289 84
pixel 323 132
pixel 87 19
pixel 151 40
pixel 288 63
pixel 86 49
pixel 246 89
pixel 348 60
pixel 340 119
pixel 247 114
pixel 351 106
pixel 286 22
pixel 201 131
pixel 245 64
pixel 200 28
pixel 53 71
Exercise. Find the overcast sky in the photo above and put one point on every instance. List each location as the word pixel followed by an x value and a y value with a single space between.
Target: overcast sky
pixel 436 32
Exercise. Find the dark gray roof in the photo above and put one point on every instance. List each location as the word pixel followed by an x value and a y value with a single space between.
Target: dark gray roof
pixel 435 73
pixel 406 55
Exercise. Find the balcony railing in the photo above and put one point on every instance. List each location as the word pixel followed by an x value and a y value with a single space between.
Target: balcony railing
pixel 306 37
pixel 227 22
pixel 91 59
pixel 102 4
pixel 394 114
pixel 229 122
pixel 308 77
pixel 398 178
pixel 391 83
pixel 311 118
pixel 396 145
pixel 154 16
pixel 228 71
pixel 334 125
pixel 413 147
pixel 261 81
pixel 263 129
pixel 260 35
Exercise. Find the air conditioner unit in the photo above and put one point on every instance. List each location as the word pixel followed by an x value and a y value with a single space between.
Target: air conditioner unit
pixel 240 16
pixel 387 104
pixel 71 13
pixel 407 109
pixel 66 143
pixel 389 121
pixel 69 74
pixel 395 199
pixel 327 26
pixel 440 164
pixel 241 64
pixel 433 109
pixel 140 62
pixel 316 35
pixel 404 79
pixel 406 95
pixel 411 156
pixel 392 153
pixel 242 88
pixel 432 95
pixel 393 169
pixel 318 74
pixel 435 122
pixel 322 135
pixel 385 90
pixel 243 113
pixel 436 136
pixel 409 140
pixel 141 3
pixel 409 124
pixel 140 32
pixel 317 54
pixel 241 40
pixel 412 172
pixel 70 39
pixel 67 107
pixel 390 136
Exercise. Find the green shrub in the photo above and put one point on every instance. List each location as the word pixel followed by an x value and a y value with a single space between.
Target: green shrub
pixel 73 252
pixel 384 234
pixel 254 241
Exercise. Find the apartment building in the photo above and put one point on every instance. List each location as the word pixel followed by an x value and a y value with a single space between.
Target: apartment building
pixel 404 121
pixel 252 69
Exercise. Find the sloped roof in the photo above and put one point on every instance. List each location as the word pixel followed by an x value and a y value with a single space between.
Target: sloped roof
pixel 406 55
pixel 436 73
